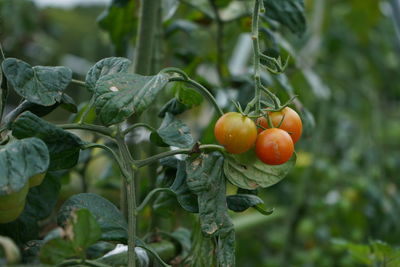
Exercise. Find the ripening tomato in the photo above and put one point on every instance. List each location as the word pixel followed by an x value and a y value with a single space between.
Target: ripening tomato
pixel 237 133
pixel 291 122
pixel 274 146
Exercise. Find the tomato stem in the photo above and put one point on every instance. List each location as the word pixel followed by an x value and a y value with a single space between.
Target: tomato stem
pixel 129 170
pixel 149 160
pixel 137 125
pixel 202 90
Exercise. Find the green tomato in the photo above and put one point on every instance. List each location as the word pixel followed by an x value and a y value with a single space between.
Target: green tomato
pixel 15 199
pixel 12 214
pixel 36 179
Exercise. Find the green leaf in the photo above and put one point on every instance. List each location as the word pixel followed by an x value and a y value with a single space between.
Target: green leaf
pixel 56 250
pixel 40 85
pixel 64 147
pixel 110 219
pixel 175 133
pixel 205 179
pixel 120 95
pixel 188 96
pixel 289 13
pixel 258 174
pixel 42 199
pixel 169 8
pixel 120 23
pixel 20 160
pixel 81 231
pixel 174 107
pixel 185 197
pixel 86 230
pixel 241 202
pixel 66 102
pixel 104 67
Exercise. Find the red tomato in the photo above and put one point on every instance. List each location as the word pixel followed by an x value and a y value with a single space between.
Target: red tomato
pixel 237 133
pixel 291 122
pixel 274 146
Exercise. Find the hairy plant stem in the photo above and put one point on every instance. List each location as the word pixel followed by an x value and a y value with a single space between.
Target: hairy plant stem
pixel 131 197
pixel 257 66
pixel 256 52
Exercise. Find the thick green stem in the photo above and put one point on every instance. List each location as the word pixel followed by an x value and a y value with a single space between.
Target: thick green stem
pixel 256 52
pixel 202 90
pixel 144 162
pixel 131 197
pixel 146 37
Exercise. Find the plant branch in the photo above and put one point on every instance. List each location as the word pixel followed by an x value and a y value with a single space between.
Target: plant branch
pixel 137 125
pixel 144 162
pixel 77 82
pixel 115 156
pixel 150 196
pixel 202 90
pixel 89 127
pixel 256 52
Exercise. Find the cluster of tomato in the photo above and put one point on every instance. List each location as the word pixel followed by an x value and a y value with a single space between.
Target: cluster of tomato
pixel 273 145
pixel 12 205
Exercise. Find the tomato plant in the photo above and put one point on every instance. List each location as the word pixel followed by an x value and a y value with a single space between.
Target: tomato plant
pixel 38 156
pixel 286 119
pixel 237 133
pixel 274 146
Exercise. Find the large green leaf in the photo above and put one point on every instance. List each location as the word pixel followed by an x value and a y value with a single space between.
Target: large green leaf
pixel 81 231
pixel 110 219
pixel 258 174
pixel 174 132
pixel 289 13
pixel 40 85
pixel 206 180
pixel 20 160
pixel 104 67
pixel 64 147
pixel 86 230
pixel 120 22
pixel 56 250
pixel 120 95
